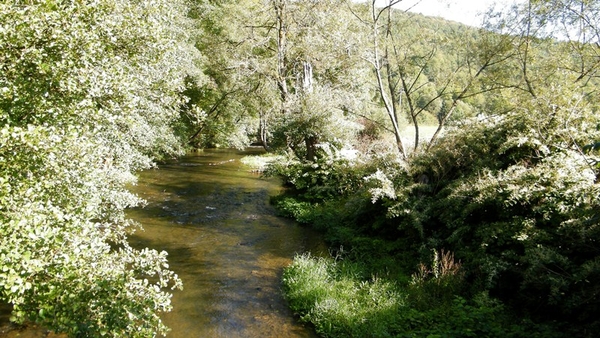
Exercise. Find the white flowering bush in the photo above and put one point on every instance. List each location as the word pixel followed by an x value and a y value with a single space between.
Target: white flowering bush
pixel 89 92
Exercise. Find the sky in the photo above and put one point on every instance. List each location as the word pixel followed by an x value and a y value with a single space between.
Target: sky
pixel 464 11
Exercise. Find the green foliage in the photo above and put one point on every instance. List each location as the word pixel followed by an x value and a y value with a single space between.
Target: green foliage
pixel 340 300
pixel 89 94
pixel 480 317
pixel 331 175
pixel 318 116
pixel 515 198
pixel 256 91
pixel 333 195
pixel 302 212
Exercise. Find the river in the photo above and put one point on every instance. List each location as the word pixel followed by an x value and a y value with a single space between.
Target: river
pixel 211 214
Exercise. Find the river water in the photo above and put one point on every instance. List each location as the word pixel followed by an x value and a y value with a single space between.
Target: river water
pixel 211 214
pixel 213 217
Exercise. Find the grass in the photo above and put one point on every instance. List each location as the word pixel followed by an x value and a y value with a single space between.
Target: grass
pixel 336 298
pixel 341 301
pixel 425 134
pixel 258 163
pixel 408 137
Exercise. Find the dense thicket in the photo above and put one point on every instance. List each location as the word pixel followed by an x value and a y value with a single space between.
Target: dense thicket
pixel 89 94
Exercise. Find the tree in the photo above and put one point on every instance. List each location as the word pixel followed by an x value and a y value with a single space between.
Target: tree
pixel 223 105
pixel 413 75
pixel 289 66
pixel 89 94
pixel 575 21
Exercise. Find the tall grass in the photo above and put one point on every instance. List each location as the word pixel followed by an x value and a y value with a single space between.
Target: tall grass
pixel 341 301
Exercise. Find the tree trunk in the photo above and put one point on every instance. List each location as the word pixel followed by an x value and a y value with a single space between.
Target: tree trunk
pixel 311 148
pixel 388 102
pixel 280 12
pixel 307 78
pixel 262 131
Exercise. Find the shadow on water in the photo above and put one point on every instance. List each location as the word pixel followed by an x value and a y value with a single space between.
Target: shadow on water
pixel 225 242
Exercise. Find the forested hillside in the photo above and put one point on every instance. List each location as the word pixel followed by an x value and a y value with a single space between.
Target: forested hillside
pixel 452 169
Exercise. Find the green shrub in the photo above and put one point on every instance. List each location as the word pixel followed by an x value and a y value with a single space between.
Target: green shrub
pixel 329 176
pixel 516 199
pixel 290 207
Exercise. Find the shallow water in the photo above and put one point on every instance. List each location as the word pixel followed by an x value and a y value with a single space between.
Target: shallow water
pixel 211 214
